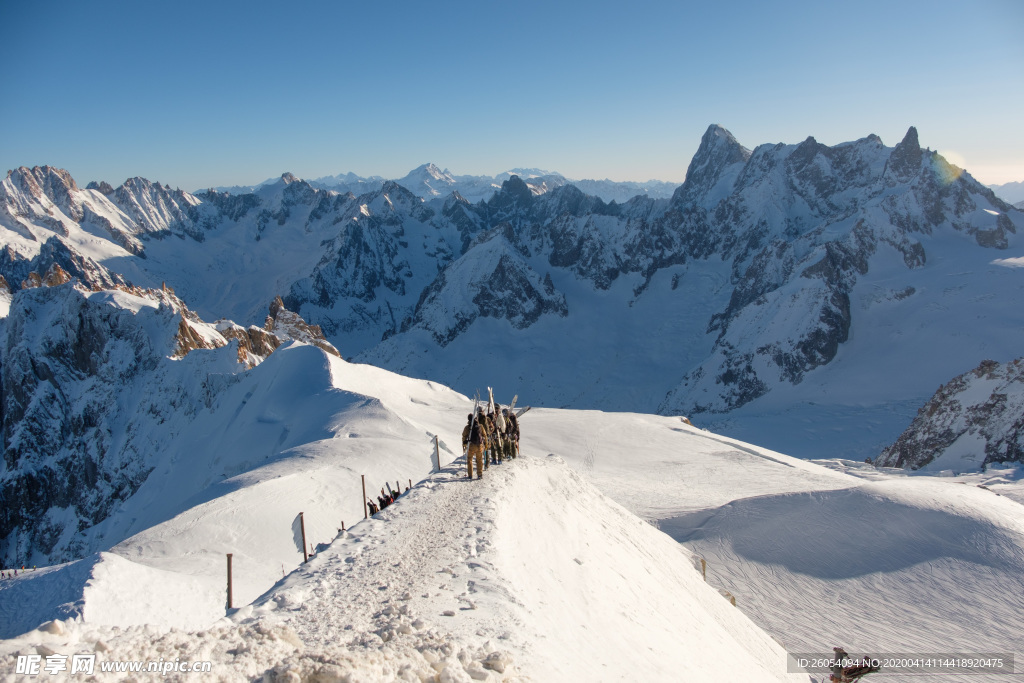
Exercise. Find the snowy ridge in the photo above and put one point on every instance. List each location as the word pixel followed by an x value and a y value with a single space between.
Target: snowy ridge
pixel 532 572
pixel 527 559
pixel 479 580
pixel 97 384
pixel 429 181
pixel 280 432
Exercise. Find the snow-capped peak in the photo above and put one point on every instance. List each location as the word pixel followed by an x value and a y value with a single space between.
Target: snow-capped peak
pixel 718 151
pixel 428 181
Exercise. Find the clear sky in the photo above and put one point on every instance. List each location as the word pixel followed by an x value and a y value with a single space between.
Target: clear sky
pixel 196 94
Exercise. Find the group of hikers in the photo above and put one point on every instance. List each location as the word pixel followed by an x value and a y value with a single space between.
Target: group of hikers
pixel 11 573
pixel 385 498
pixel 491 437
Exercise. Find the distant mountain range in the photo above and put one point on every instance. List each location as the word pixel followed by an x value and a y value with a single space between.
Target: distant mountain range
pixel 428 181
pixel 1010 192
pixel 806 297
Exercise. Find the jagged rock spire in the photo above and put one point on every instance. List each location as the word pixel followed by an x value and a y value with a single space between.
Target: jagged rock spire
pixel 718 150
pixel 905 160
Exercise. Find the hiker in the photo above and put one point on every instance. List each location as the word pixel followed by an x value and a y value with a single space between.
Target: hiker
pixel 510 433
pixel 838 662
pixel 499 429
pixel 474 438
pixel 495 439
pixel 513 433
pixel 847 670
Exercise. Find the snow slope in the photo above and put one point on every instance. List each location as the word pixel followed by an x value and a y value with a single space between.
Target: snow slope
pixel 532 570
pixel 529 573
pixel 820 553
pixel 537 561
pixel 293 435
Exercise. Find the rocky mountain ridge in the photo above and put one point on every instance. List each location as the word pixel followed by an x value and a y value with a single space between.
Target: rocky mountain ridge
pixel 428 181
pixel 92 382
pixel 756 271
pixel 973 420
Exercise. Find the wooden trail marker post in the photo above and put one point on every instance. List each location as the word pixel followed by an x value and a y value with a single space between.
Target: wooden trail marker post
pixel 302 527
pixel 229 582
pixel 437 453
pixel 365 513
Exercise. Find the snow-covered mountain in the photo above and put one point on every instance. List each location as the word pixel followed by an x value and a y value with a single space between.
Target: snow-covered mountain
pixel 1010 192
pixel 428 181
pixel 143 444
pixel 344 183
pixel 763 269
pixel 808 294
pixel 827 285
pixel 974 420
pixel 95 384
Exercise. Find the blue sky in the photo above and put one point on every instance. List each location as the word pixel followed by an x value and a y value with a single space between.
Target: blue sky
pixel 196 94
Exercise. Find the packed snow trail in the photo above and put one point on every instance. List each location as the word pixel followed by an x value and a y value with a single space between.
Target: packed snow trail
pixel 532 563
pixel 292 435
pixel 528 574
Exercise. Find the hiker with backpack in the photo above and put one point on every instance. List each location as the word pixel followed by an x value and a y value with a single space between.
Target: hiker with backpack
pixel 490 456
pixel 513 433
pixel 474 438
pixel 505 445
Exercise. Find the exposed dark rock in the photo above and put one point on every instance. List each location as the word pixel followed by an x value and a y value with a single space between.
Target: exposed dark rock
pixel 56 435
pixel 978 415
pixel 905 160
pixel 103 186
pixel 498 284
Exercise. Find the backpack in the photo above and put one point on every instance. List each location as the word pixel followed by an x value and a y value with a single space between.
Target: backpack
pixel 475 437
